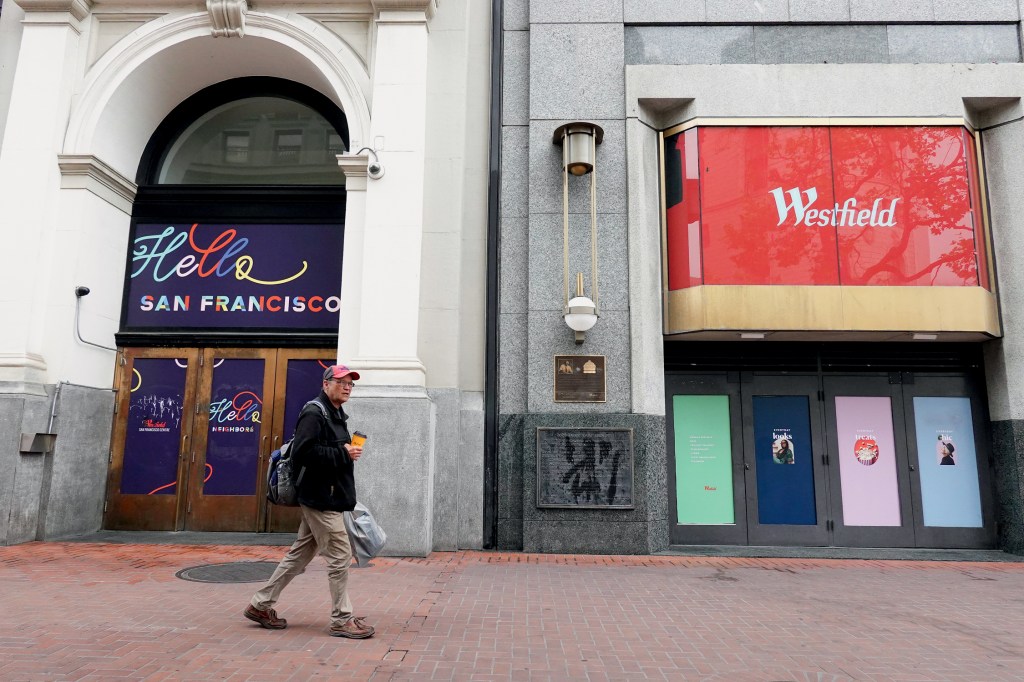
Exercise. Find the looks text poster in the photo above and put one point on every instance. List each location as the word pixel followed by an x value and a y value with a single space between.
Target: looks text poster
pixel 782 452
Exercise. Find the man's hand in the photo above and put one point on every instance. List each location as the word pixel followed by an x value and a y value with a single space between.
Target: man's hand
pixel 354 451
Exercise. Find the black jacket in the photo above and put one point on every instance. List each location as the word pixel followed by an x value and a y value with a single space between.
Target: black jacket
pixel 325 478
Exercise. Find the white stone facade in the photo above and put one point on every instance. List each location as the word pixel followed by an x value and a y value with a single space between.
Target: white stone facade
pixel 83 86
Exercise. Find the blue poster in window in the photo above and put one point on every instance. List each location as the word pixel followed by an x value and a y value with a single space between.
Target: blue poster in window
pixel 783 461
pixel 948 462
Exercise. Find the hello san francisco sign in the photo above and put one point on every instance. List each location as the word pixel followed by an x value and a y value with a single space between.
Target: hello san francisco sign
pixel 212 276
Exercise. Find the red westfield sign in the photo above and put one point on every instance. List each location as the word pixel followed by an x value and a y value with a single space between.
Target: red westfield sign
pixel 829 205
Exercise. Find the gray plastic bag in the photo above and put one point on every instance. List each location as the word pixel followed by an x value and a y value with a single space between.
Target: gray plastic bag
pixel 364 534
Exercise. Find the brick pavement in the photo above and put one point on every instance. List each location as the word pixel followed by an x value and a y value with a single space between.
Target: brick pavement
pixel 117 612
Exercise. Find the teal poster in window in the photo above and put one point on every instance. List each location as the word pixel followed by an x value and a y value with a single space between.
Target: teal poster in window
pixel 703 458
pixel 948 463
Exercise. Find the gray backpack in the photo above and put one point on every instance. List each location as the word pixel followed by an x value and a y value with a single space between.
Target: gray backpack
pixel 281 479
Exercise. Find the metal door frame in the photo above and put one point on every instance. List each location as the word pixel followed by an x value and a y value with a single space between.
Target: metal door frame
pixel 712 383
pixel 879 385
pixel 799 384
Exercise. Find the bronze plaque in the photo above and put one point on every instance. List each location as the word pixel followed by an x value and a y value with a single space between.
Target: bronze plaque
pixel 585 468
pixel 579 379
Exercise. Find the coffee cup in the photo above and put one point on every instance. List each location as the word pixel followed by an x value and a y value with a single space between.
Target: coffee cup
pixel 358 438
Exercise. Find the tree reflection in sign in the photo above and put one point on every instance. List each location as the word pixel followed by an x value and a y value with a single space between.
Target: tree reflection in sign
pixel 743 237
pixel 744 240
pixel 933 240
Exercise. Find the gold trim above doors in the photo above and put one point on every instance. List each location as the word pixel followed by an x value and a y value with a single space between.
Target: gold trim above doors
pixel 763 308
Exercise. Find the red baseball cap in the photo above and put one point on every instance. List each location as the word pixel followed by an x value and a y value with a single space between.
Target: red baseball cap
pixel 339 371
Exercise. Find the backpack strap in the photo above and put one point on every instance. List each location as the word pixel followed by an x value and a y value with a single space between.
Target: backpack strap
pixel 320 406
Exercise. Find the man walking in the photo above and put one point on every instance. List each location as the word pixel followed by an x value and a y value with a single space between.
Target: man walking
pixel 323 459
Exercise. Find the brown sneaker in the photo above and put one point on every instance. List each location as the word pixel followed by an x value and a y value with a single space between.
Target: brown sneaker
pixel 267 619
pixel 354 628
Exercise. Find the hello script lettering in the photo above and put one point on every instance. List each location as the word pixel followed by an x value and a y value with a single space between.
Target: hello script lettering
pixel 216 258
pixel 846 215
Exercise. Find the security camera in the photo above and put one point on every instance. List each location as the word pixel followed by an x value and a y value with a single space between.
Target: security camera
pixel 81 291
pixel 375 170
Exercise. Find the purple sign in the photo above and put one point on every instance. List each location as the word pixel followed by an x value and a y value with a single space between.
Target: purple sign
pixel 302 384
pixel 233 437
pixel 153 432
pixel 200 276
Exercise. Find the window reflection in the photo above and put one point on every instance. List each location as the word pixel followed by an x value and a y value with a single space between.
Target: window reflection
pixel 256 141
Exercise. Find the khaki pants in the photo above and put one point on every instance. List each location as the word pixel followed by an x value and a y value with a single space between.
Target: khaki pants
pixel 323 530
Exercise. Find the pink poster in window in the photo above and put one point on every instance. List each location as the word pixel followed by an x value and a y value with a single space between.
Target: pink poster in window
pixel 867 461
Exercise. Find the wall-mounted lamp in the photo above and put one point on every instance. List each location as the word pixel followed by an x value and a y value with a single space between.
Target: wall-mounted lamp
pixel 580 312
pixel 81 291
pixel 579 142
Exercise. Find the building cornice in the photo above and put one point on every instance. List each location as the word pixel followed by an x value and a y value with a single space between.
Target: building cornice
pixel 79 9
pixel 84 171
pixel 427 7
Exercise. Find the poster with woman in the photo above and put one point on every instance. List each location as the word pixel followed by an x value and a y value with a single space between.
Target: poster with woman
pixel 945 451
pixel 782 449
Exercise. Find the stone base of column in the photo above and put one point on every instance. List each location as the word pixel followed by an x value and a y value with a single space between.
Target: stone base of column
pixel 394 477
pixel 60 493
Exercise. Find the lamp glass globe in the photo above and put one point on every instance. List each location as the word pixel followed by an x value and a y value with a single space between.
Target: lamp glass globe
pixel 581 321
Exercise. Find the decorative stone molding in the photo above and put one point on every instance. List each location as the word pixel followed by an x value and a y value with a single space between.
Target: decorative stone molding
pixel 84 171
pixel 428 7
pixel 79 9
pixel 354 168
pixel 22 373
pixel 227 17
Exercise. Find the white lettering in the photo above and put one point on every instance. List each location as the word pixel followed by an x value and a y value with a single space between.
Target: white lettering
pixel 847 215
pixel 796 204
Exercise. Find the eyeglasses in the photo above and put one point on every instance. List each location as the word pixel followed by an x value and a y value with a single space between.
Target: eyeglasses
pixel 343 384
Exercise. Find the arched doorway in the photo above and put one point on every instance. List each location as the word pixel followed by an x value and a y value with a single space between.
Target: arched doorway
pixel 230 306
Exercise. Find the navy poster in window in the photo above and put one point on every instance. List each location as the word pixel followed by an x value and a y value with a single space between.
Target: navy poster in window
pixel 303 383
pixel 783 460
pixel 233 441
pixel 153 432
pixel 205 276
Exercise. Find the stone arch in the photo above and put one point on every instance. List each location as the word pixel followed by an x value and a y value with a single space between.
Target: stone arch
pixel 130 90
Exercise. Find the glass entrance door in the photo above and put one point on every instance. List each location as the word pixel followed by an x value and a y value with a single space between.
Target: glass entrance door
pixel 784 473
pixel 885 459
pixel 193 433
pixel 869 467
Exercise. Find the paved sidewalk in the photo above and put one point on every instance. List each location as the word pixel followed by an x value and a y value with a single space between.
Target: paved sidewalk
pixel 80 611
